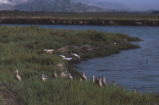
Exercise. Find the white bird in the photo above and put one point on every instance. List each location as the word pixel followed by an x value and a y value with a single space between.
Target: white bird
pixel 65 58
pixel 93 78
pixel 62 56
pixel 134 90
pixel 81 80
pixel 84 76
pixel 76 55
pixel 49 51
pixel 18 77
pixel 97 79
pixel 70 76
pixel 55 75
pixel 100 82
pixel 114 84
pixel 104 82
pixel 63 75
pixel 114 43
pixel 43 78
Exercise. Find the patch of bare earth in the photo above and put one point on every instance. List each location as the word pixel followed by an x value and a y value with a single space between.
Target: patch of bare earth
pixel 9 97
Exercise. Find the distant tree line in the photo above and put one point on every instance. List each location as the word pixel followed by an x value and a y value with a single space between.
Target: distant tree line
pixel 16 13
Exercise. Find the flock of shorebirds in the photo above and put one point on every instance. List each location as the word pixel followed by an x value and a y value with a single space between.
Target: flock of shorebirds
pixel 50 51
pixel 100 81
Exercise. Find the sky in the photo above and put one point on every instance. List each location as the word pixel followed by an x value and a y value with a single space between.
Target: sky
pixel 132 2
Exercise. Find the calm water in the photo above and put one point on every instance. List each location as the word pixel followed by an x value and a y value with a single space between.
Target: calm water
pixel 139 67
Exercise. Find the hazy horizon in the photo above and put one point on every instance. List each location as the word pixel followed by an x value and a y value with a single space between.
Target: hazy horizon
pixel 132 5
pixel 139 4
pixel 117 5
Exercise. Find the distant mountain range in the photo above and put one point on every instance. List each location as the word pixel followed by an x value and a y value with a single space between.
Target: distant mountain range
pixel 110 6
pixel 72 6
pixel 49 5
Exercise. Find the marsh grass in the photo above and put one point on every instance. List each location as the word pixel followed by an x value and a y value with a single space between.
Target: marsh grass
pixel 22 48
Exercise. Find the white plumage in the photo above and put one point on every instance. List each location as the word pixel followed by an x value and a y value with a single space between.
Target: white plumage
pixel 43 78
pixel 74 54
pixel 100 82
pixel 104 82
pixel 18 77
pixel 114 84
pixel 65 58
pixel 63 75
pixel 55 74
pixel 84 76
pixel 93 78
pixel 70 76
pixel 62 56
pixel 49 51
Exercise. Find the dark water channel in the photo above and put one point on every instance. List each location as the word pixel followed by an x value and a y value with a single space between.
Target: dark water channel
pixel 137 67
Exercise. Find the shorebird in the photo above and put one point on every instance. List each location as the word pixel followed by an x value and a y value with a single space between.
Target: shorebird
pixel 18 77
pixel 74 54
pixel 100 82
pixel 62 56
pixel 61 66
pixel 104 82
pixel 114 84
pixel 70 76
pixel 115 43
pixel 65 58
pixel 55 75
pixel 93 78
pixel 49 51
pixel 81 80
pixel 134 90
pixel 63 75
pixel 68 59
pixel 84 76
pixel 43 78
pixel 97 80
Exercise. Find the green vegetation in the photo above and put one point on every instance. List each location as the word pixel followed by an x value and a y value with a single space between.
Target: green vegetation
pixel 22 48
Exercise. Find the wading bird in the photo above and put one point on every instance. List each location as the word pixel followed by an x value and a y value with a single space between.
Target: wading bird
pixel 93 78
pixel 55 75
pixel 43 78
pixel 114 43
pixel 49 51
pixel 62 56
pixel 65 58
pixel 134 90
pixel 83 76
pixel 100 82
pixel 114 84
pixel 18 77
pixel 70 76
pixel 74 54
pixel 104 82
pixel 63 75
pixel 97 80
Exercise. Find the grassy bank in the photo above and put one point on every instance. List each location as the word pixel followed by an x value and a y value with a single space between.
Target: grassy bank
pixel 22 48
